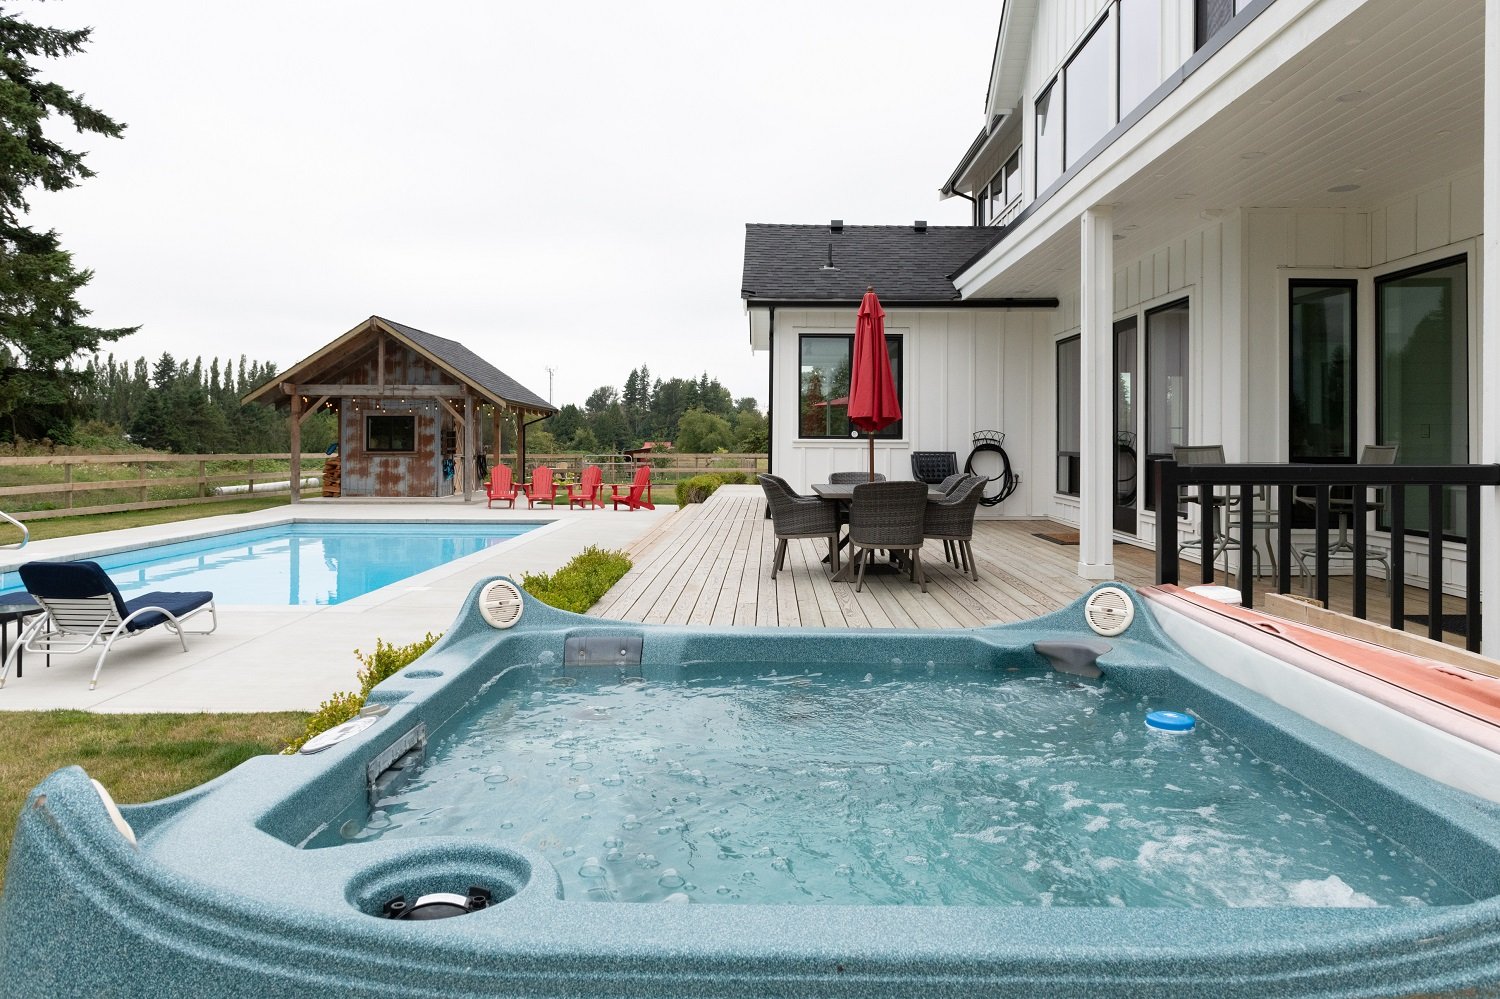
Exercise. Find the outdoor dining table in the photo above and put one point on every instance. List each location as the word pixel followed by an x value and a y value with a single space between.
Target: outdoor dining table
pixel 842 493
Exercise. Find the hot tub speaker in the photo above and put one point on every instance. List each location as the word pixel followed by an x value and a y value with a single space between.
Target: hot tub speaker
pixel 438 905
pixel 500 603
pixel 1108 611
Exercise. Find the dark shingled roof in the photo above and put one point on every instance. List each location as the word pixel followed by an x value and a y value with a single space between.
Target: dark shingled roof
pixel 786 263
pixel 473 367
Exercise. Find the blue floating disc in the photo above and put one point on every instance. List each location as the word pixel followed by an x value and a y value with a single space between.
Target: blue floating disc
pixel 1170 721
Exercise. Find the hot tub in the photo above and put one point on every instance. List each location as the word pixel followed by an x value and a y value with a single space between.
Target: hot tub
pixel 602 808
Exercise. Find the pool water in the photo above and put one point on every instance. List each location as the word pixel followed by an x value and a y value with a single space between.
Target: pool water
pixel 988 786
pixel 297 564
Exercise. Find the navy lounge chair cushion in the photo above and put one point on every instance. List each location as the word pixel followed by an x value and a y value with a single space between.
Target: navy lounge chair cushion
pixel 177 604
pixel 79 580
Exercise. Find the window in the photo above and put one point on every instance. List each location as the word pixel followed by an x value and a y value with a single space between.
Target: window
pixel 391 433
pixel 1003 188
pixel 1069 413
pixel 1089 95
pixel 1049 135
pixel 1321 349
pixel 823 398
pixel 1166 385
pixel 1422 354
pixel 1140 52
pixel 1012 174
pixel 1212 16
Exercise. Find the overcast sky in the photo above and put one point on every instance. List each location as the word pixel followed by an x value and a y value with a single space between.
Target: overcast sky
pixel 560 184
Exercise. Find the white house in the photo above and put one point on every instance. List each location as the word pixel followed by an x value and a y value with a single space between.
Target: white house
pixel 1255 223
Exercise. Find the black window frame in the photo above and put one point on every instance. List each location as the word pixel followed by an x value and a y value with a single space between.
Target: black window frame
pixel 894 343
pixel 1062 135
pixel 1352 416
pixel 1069 469
pixel 1153 457
pixel 1383 521
pixel 1106 18
pixel 370 436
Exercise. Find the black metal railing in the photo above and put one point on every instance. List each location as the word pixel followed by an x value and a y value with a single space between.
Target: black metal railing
pixel 1240 485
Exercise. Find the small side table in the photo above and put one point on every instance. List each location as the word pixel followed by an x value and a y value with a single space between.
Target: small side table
pixel 16 607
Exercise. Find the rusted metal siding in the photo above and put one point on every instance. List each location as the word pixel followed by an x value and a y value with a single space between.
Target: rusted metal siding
pixel 415 473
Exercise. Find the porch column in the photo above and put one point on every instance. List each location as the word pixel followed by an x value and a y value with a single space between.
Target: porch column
pixel 1096 421
pixel 470 447
pixel 296 442
pixel 1489 337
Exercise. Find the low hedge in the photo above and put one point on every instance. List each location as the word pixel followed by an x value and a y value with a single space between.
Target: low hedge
pixel 578 585
pixel 701 487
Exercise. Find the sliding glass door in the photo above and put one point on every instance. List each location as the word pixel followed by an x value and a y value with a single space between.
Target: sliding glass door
pixel 1422 394
pixel 1126 467
pixel 1166 386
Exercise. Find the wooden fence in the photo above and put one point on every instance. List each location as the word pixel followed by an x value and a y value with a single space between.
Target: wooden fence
pixel 43 486
pixel 39 487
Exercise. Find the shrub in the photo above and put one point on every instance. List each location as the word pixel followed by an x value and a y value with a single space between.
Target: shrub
pixel 698 488
pixel 385 661
pixel 733 478
pixel 578 585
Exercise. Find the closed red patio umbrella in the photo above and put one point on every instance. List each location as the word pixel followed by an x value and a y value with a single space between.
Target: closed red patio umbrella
pixel 872 391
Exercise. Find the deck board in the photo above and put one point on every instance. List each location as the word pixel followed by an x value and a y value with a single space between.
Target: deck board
pixel 710 564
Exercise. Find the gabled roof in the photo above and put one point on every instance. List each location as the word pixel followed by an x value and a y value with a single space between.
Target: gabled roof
pixel 467 367
pixel 789 263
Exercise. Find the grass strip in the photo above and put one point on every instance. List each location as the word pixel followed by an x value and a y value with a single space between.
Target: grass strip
pixel 137 757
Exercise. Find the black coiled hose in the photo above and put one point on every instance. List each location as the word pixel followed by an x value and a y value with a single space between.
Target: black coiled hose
pixel 993 442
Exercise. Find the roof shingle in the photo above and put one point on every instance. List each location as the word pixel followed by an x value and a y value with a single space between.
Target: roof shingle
pixel 788 263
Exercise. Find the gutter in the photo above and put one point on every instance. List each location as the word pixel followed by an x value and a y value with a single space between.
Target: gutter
pixel 953 303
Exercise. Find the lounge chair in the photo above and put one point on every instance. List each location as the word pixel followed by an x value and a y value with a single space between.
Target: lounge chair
pixel 501 487
pixel 588 489
pixel 541 488
pixel 83 608
pixel 638 493
pixel 794 517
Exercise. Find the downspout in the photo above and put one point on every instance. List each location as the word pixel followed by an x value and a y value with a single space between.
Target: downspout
pixel 771 397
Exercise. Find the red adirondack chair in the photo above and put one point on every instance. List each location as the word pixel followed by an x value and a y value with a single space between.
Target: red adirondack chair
pixel 501 487
pixel 639 494
pixel 588 489
pixel 541 488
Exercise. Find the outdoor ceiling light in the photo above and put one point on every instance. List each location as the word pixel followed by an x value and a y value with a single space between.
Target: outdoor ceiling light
pixel 1343 188
pixel 1353 97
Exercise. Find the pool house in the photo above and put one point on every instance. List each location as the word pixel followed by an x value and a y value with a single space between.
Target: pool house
pixel 411 406
pixel 1254 228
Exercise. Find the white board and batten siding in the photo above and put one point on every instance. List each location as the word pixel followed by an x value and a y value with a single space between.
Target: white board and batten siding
pixel 964 370
pixel 1202 267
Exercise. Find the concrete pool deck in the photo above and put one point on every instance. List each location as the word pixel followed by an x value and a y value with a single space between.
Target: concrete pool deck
pixel 292 658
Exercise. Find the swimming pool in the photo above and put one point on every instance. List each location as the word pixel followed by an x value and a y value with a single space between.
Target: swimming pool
pixel 269 881
pixel 297 564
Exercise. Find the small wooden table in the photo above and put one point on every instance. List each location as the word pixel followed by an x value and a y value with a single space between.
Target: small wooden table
pixel 17 607
pixel 842 493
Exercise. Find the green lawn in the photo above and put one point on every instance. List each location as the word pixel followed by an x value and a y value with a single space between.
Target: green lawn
pixel 137 757
pixel 67 527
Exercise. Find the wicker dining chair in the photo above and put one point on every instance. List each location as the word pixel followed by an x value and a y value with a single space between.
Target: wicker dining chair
pixel 794 517
pixel 887 515
pixel 951 482
pixel 951 521
pixel 846 478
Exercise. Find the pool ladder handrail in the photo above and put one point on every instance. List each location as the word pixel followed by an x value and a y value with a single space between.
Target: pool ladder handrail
pixel 25 531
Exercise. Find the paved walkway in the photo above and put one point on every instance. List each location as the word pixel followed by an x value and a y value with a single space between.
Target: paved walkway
pixel 292 658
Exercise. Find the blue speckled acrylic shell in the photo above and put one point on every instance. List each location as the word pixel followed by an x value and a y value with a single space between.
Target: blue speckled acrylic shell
pixel 218 900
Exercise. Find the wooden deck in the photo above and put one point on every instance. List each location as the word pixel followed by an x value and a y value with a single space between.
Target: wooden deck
pixel 710 564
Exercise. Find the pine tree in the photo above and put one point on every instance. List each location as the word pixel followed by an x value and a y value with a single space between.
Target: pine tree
pixel 41 322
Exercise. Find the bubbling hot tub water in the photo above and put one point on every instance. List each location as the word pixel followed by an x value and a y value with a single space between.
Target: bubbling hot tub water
pixel 895 785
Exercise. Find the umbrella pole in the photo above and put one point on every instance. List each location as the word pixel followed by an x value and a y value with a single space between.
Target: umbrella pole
pixel 871 436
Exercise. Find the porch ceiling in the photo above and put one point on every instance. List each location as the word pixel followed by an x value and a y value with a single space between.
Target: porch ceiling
pixel 1411 76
